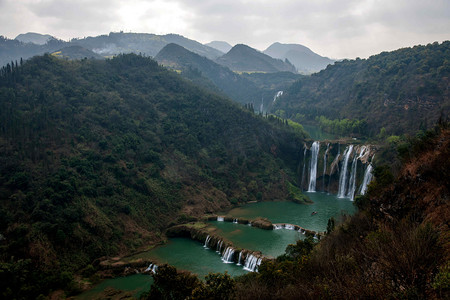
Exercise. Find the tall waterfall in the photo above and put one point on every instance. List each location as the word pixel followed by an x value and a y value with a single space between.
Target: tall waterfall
pixel 343 176
pixel 352 180
pixel 219 246
pixel 313 167
pixel 239 259
pixel 325 166
pixel 304 163
pixel 367 178
pixel 152 267
pixel 252 263
pixel 227 256
pixel 261 107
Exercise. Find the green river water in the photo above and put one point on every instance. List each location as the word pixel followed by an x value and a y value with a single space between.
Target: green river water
pixel 190 255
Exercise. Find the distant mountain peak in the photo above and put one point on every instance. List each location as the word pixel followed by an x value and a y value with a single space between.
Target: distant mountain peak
pixel 33 37
pixel 304 59
pixel 220 45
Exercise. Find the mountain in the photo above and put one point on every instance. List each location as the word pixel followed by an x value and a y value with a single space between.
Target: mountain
pixel 305 60
pixel 237 88
pixel 145 43
pixel 76 52
pixel 35 38
pixel 401 91
pixel 98 157
pixel 220 45
pixel 105 45
pixel 242 58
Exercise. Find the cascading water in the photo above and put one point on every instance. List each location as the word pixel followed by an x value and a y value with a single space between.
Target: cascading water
pixel 219 246
pixel 235 221
pixel 289 226
pixel 304 164
pixel 367 178
pixel 343 175
pixel 252 263
pixel 261 107
pixel 277 226
pixel 208 238
pixel 220 219
pixel 313 167
pixel 325 166
pixel 152 267
pixel 278 95
pixel 239 258
pixel 352 180
pixel 227 256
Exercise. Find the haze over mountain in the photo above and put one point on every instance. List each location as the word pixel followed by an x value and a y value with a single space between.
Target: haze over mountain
pixel 243 58
pixel 220 45
pixel 76 52
pixel 303 58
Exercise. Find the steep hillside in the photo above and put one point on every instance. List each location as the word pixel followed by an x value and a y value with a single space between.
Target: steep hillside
pixel 305 60
pixel 220 45
pixel 402 91
pixel 235 86
pixel 99 156
pixel 243 58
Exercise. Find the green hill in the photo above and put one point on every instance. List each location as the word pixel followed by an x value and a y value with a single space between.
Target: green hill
pixel 402 91
pixel 242 58
pixel 99 156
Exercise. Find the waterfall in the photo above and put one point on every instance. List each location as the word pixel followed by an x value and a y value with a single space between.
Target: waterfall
pixel 220 219
pixel 304 163
pixel 235 221
pixel 325 167
pixel 239 259
pixel 152 267
pixel 343 175
pixel 352 180
pixel 367 178
pixel 277 226
pixel 261 108
pixel 313 168
pixel 289 226
pixel 208 238
pixel 227 256
pixel 278 95
pixel 251 263
pixel 219 246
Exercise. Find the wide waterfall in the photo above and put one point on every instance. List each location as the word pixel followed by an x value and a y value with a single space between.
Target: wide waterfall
pixel 367 178
pixel 227 256
pixel 220 219
pixel 325 166
pixel 208 238
pixel 313 166
pixel 252 263
pixel 343 176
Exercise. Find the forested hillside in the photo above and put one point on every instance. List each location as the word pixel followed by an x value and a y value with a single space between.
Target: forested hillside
pixel 402 91
pixel 98 156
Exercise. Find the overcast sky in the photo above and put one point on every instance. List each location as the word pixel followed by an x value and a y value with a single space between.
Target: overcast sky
pixel 333 28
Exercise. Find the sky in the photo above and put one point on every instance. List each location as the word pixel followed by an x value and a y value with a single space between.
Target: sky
pixel 332 28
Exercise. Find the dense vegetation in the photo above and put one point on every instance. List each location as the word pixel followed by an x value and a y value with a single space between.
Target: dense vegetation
pixel 402 91
pixel 395 247
pixel 98 156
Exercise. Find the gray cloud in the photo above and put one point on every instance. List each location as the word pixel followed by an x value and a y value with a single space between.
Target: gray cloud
pixel 339 28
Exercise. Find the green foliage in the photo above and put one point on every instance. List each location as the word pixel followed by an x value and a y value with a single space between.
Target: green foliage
pixel 342 127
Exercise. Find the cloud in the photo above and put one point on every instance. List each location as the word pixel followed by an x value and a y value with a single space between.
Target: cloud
pixel 335 28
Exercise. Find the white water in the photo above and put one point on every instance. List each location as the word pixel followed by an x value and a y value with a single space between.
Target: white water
pixel 313 167
pixel 152 267
pixel 277 226
pixel 278 95
pixel 239 259
pixel 219 246
pixel 208 238
pixel 227 256
pixel 343 175
pixel 220 219
pixel 367 178
pixel 261 108
pixel 235 221
pixel 252 263
pixel 352 180
pixel 325 166
pixel 289 226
